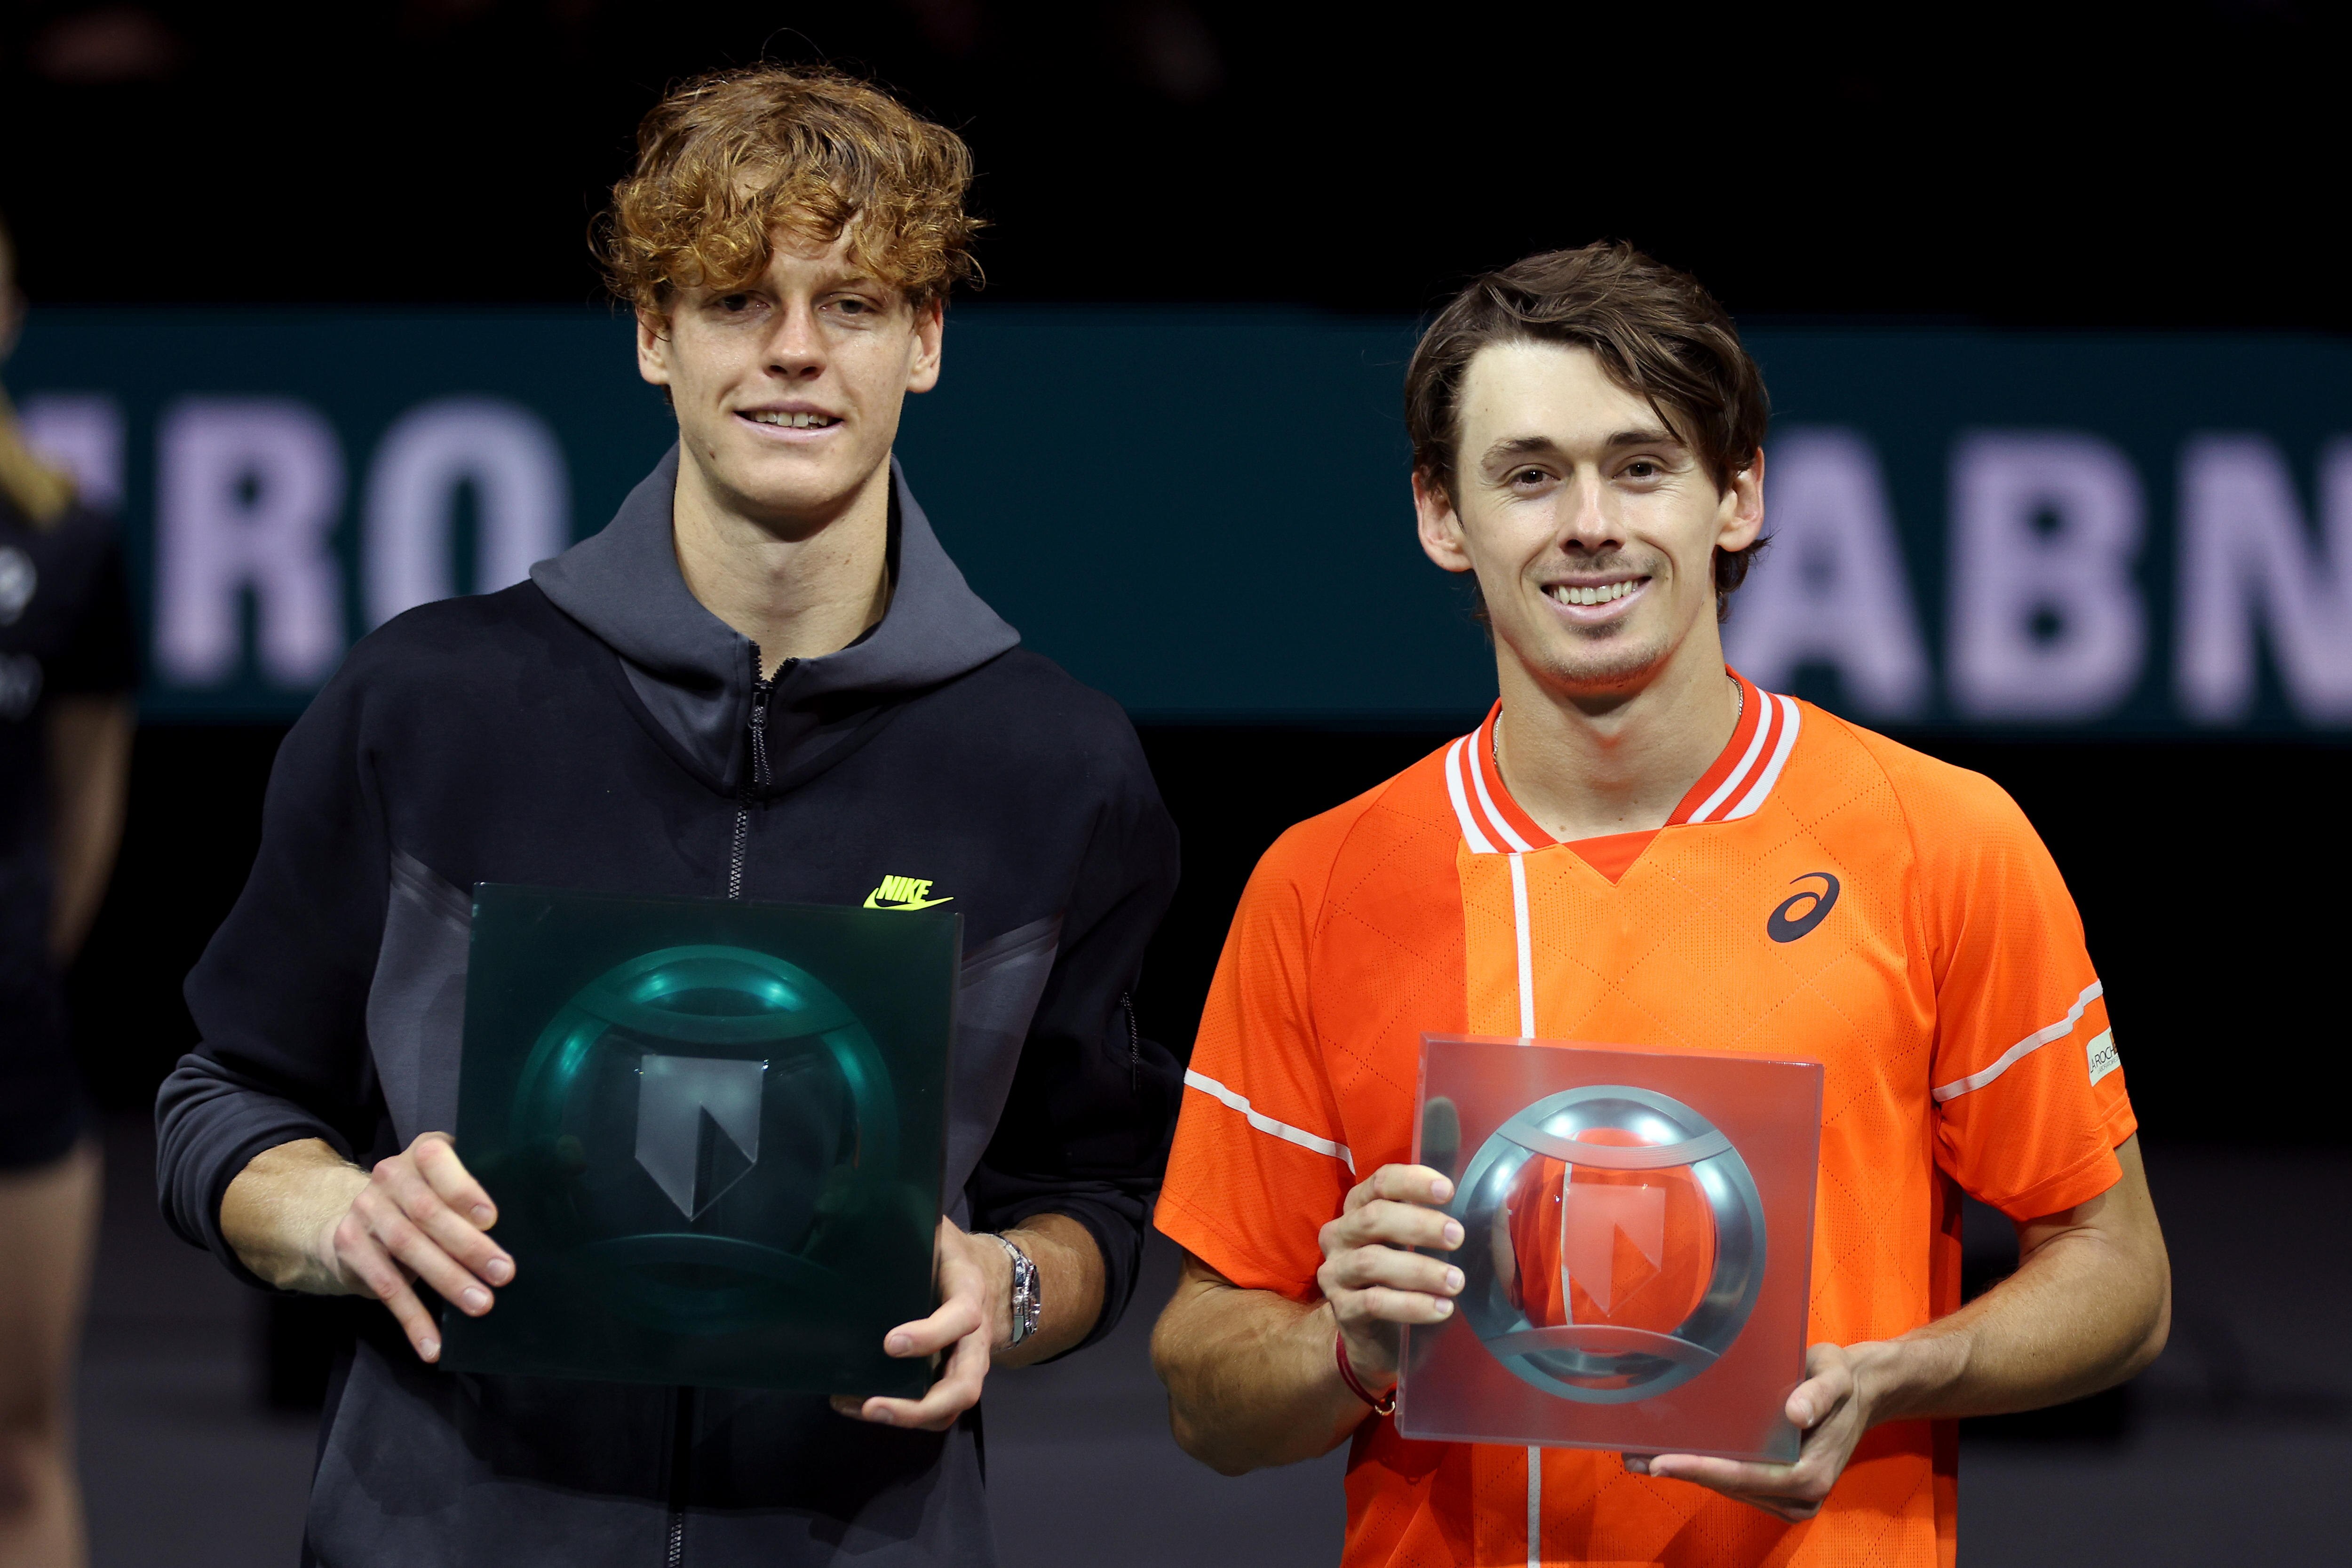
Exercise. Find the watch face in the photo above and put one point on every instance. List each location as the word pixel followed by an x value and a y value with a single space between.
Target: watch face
pixel 1026 1302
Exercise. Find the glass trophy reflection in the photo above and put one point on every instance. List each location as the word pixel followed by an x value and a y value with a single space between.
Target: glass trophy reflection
pixel 714 1132
pixel 690 1111
pixel 1622 1244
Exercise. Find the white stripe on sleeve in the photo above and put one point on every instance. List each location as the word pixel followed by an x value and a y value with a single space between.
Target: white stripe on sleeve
pixel 2023 1048
pixel 1282 1130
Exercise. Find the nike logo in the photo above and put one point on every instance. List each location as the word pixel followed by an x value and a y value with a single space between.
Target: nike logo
pixel 1788 922
pixel 904 893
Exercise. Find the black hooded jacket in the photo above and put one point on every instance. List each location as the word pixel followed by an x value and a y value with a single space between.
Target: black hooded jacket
pixel 591 729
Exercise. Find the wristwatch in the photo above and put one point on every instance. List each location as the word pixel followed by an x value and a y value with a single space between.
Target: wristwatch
pixel 1026 1302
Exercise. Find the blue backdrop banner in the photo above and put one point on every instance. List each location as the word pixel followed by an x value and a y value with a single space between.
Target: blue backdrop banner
pixel 1206 513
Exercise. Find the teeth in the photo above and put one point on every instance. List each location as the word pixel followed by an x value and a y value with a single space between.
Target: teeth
pixel 1603 596
pixel 795 421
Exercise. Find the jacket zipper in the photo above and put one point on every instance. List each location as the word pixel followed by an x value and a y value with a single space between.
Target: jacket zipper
pixel 682 1452
pixel 1134 1046
pixel 756 777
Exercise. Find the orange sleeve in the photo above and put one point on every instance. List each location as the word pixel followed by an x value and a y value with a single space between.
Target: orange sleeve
pixel 2029 1096
pixel 1261 1159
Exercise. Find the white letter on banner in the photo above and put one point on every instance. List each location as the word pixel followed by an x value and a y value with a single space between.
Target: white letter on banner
pixel 1831 590
pixel 2244 550
pixel 248 495
pixel 81 432
pixel 522 500
pixel 2008 573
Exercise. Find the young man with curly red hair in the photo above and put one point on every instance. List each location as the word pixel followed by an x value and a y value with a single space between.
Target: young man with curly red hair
pixel 1639 845
pixel 765 679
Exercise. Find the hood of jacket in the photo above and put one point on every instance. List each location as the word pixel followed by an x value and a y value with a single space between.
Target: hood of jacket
pixel 695 673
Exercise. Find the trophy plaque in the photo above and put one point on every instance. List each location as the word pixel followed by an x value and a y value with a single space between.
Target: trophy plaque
pixel 715 1132
pixel 1637 1248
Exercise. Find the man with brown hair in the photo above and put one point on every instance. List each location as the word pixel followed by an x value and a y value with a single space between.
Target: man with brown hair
pixel 762 679
pixel 1637 846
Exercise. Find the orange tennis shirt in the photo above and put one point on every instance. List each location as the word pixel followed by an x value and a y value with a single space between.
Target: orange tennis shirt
pixel 1821 892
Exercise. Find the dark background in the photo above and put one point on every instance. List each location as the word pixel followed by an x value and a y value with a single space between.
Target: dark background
pixel 2044 166
pixel 2167 166
pixel 2172 164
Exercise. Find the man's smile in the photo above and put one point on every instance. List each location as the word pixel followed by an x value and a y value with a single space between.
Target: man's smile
pixel 1592 601
pixel 796 422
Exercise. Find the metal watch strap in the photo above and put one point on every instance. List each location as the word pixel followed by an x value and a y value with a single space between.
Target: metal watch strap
pixel 1026 1302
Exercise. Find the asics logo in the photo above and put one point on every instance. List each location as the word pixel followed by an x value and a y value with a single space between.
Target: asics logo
pixel 904 893
pixel 1800 912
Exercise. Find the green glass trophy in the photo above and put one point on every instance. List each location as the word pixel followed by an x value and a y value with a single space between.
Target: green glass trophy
pixel 714 1131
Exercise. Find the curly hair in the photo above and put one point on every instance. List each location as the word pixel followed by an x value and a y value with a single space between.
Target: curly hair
pixel 1655 332
pixel 729 159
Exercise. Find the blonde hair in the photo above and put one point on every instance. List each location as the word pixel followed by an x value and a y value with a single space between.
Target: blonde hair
pixel 729 159
pixel 41 492
pixel 38 491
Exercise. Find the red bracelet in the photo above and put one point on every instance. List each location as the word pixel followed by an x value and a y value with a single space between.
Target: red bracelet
pixel 1385 1405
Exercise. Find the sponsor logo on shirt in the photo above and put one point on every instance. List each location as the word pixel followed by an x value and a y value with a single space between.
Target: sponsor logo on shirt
pixel 904 893
pixel 2103 1059
pixel 1800 912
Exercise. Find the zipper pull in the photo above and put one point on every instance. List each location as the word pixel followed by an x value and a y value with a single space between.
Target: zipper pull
pixel 761 688
pixel 1134 1047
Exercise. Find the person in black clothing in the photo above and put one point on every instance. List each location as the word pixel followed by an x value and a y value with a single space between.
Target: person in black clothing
pixel 67 667
pixel 764 680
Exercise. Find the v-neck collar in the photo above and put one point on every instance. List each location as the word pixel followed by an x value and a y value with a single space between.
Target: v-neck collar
pixel 1739 781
